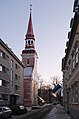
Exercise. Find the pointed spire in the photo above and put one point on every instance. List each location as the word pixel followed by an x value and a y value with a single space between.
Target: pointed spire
pixel 30 34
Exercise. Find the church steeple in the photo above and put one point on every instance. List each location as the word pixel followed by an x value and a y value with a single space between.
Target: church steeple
pixel 29 58
pixel 29 37
pixel 30 34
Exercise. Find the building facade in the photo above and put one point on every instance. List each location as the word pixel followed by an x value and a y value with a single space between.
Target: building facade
pixel 70 66
pixel 11 77
pixel 29 58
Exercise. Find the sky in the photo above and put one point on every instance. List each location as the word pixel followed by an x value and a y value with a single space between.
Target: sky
pixel 51 24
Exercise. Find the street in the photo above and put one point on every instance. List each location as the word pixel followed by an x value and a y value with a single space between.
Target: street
pixel 57 112
pixel 35 113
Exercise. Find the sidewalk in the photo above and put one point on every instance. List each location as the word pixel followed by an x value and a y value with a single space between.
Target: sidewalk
pixel 57 112
pixel 60 113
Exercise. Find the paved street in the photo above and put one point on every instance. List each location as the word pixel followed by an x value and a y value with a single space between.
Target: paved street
pixel 35 113
pixel 57 113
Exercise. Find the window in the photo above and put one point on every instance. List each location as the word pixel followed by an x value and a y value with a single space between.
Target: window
pixel 76 6
pixel 17 77
pixel 73 61
pixel 12 63
pixel 0 67
pixel 0 82
pixel 0 53
pixel 11 85
pixel 11 75
pixel 17 67
pixel 0 96
pixel 7 58
pixel 28 61
pixel 17 87
pixel 5 97
pixel 7 71
pixel 26 42
pixel 70 99
pixel 29 42
pixel 4 69
pixel 7 84
pixel 76 55
pixel 4 55
pixel 3 83
pixel 75 92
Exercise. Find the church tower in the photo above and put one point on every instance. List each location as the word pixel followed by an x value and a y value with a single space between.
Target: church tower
pixel 29 58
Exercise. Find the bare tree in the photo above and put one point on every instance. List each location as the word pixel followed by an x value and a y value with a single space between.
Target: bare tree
pixel 40 80
pixel 55 80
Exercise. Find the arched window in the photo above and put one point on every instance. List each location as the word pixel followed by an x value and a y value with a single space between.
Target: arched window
pixel 26 42
pixel 29 42
pixel 32 42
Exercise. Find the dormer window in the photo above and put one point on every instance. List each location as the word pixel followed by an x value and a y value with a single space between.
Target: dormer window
pixel 76 6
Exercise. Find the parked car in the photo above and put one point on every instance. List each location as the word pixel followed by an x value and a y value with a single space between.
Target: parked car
pixel 36 107
pixel 5 112
pixel 20 109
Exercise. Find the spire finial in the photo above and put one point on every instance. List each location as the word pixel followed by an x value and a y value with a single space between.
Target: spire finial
pixel 30 7
pixel 30 34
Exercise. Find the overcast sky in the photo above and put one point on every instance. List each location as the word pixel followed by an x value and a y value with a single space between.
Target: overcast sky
pixel 51 20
